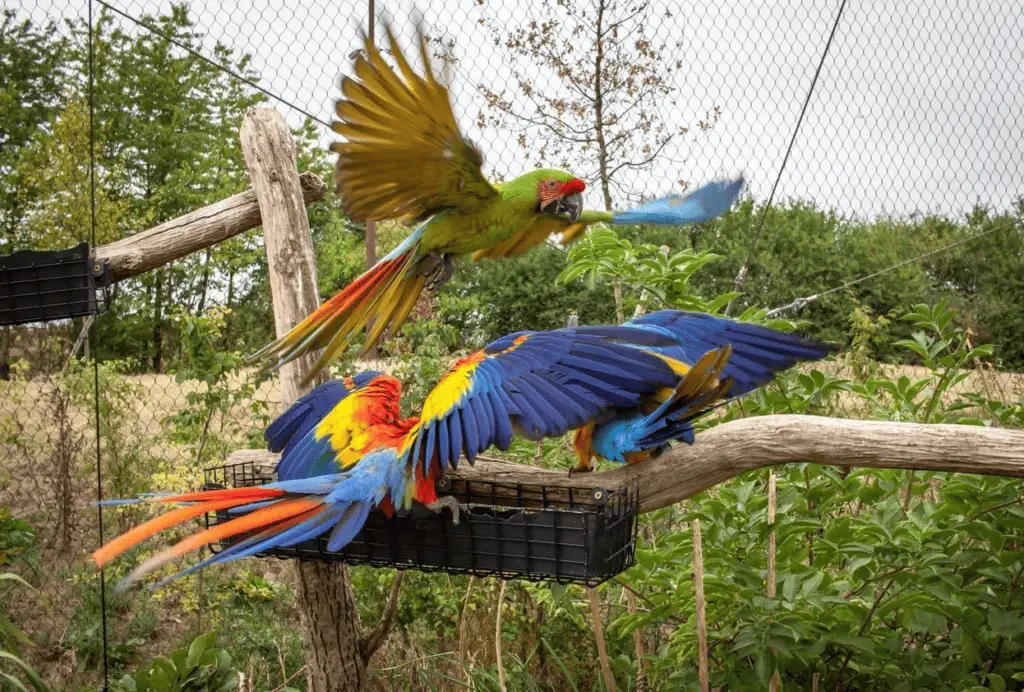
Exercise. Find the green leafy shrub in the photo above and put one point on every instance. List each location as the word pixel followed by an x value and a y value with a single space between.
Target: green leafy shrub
pixel 201 667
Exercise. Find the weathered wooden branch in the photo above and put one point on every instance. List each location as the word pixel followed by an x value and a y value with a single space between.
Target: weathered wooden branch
pixel 743 445
pixel 192 232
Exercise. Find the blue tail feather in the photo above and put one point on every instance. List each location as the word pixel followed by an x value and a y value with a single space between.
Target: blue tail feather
pixel 351 522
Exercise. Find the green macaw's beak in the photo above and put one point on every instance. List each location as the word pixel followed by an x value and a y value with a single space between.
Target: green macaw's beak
pixel 569 205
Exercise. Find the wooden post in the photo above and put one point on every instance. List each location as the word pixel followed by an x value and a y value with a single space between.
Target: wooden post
pixel 602 652
pixel 773 685
pixel 702 624
pixel 330 620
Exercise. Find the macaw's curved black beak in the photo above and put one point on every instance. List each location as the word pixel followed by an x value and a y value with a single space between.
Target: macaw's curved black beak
pixel 571 206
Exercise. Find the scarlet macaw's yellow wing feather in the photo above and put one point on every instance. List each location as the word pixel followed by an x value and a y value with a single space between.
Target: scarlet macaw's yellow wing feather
pixel 403 155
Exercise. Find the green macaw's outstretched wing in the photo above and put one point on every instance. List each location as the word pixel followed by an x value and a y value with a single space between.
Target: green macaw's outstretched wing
pixel 404 156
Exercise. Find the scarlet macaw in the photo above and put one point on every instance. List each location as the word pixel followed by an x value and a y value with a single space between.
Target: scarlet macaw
pixel 404 158
pixel 346 449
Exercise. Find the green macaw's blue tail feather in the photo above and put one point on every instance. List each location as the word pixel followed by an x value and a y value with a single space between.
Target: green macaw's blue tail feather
pixel 703 204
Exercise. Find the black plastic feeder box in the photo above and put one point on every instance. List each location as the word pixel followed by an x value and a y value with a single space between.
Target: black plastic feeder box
pixel 37 286
pixel 539 533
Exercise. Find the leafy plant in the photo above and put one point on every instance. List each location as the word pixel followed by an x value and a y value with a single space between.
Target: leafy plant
pixel 654 274
pixel 17 672
pixel 207 425
pixel 201 667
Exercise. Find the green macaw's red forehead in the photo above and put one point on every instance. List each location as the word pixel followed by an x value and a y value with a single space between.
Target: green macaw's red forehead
pixel 573 186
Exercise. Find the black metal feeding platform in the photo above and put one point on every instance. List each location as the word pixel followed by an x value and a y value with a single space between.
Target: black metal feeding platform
pixel 538 533
pixel 45 286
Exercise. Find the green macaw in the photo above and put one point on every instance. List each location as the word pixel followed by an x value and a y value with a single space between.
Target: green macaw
pixel 404 158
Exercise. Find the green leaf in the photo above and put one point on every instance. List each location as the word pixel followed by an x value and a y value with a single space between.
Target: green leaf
pixel 28 671
pixel 763 666
pixel 789 587
pixel 811 584
pixel 198 647
pixel 858 562
pixel 1005 623
pixel 14 682
pixel 862 644
pixel 996 682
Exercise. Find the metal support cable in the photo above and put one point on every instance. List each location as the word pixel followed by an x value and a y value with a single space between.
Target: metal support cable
pixel 801 303
pixel 95 356
pixel 167 37
pixel 741 275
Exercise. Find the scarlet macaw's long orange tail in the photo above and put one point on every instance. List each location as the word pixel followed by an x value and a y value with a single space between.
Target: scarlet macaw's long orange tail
pixel 267 516
pixel 383 295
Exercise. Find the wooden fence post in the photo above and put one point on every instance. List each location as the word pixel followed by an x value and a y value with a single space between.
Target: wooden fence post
pixel 330 620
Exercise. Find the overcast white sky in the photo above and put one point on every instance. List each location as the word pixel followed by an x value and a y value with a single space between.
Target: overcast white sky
pixel 918 109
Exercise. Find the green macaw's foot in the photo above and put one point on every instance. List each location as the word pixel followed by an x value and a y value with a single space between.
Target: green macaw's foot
pixel 438 268
pixel 445 501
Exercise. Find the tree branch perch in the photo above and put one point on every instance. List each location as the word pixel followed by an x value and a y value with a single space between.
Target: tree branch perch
pixel 194 231
pixel 739 446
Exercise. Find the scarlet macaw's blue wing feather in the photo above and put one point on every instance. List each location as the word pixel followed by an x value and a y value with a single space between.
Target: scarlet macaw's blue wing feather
pixel 542 384
pixel 309 410
pixel 324 431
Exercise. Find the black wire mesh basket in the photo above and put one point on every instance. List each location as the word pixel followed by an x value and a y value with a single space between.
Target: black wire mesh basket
pixel 513 531
pixel 42 286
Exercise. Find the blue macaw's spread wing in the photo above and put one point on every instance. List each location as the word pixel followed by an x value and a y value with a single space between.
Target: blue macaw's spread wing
pixel 541 383
pixel 758 353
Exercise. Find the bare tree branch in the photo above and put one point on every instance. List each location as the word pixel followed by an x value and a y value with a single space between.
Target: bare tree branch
pixel 376 637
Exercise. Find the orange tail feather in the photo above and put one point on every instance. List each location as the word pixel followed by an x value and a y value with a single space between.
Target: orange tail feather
pixel 252 521
pixel 279 515
pixel 130 539
pixel 340 316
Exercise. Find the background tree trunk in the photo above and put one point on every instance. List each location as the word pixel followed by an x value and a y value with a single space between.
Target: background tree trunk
pixel 330 621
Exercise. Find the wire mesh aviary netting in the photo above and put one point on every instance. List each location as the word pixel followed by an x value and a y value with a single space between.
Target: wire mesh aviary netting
pixel 882 145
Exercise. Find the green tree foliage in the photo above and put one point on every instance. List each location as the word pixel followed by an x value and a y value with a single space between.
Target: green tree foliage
pixel 32 61
pixel 985 281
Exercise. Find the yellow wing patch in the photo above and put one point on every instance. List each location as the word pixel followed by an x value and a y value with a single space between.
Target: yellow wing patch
pixel 348 436
pixel 452 388
pixel 533 235
pixel 679 368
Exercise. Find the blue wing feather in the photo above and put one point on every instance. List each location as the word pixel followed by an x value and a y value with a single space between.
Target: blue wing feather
pixel 348 525
pixel 306 413
pixel 758 352
pixel 454 437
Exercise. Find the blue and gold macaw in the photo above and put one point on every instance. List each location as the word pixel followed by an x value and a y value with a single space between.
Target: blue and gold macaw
pixel 627 390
